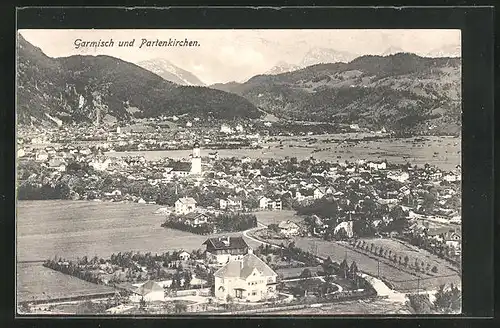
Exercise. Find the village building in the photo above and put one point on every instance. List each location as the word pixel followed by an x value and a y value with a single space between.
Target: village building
pixel 42 156
pixel 248 279
pixel 321 192
pixel 214 155
pixel 231 203
pixel 184 256
pixel 289 228
pixel 266 203
pixel 223 249
pixel 150 291
pixel 57 164
pixel 185 205
pixel 195 219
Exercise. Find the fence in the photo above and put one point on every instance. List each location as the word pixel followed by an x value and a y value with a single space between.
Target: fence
pixel 193 292
pixel 280 308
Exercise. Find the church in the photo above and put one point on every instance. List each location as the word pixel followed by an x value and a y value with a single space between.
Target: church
pixel 182 169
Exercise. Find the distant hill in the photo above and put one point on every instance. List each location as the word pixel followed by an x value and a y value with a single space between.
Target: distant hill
pixel 401 91
pixel 73 88
pixel 170 72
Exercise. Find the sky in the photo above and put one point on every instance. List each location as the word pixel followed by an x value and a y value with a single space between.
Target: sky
pixel 236 55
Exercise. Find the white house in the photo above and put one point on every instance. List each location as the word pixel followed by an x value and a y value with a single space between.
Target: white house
pixel 289 228
pixel 399 176
pixel 42 156
pixel 226 129
pixel 184 256
pixel 195 219
pixel 185 205
pixel 247 279
pixel 320 192
pixel 99 164
pixel 150 292
pixel 230 202
pixel 266 203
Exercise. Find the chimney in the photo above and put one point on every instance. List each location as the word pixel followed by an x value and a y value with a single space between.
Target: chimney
pixel 250 250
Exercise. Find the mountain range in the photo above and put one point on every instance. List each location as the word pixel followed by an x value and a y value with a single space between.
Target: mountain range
pixel 312 57
pixel 170 72
pixel 402 91
pixel 77 88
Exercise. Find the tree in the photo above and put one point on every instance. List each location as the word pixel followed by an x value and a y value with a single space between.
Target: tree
pixel 341 234
pixel 448 300
pixel 419 304
pixel 406 259
pixel 180 307
pixel 344 268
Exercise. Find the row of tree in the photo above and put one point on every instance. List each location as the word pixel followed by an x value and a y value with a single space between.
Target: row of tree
pixel 395 257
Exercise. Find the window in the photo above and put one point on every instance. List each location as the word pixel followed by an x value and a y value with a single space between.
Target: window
pixel 254 292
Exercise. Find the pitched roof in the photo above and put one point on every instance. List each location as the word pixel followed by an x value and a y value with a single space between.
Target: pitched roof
pixel 287 224
pixel 181 166
pixel 148 287
pixel 234 243
pixel 244 268
pixel 187 200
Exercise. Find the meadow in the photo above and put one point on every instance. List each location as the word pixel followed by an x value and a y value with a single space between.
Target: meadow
pixel 35 282
pixel 443 152
pixel 72 229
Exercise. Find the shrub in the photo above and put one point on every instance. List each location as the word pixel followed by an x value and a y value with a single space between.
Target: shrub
pixel 434 269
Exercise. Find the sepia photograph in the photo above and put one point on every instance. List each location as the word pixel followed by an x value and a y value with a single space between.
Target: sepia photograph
pixel 242 172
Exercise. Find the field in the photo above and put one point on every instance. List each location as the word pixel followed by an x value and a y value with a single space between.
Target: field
pixel 400 280
pixel 35 282
pixel 72 229
pixel 334 148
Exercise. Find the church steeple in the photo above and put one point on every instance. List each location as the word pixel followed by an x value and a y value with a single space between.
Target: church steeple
pixel 196 159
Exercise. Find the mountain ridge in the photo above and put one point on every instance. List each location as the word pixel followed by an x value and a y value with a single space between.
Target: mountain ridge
pixel 77 88
pixel 403 91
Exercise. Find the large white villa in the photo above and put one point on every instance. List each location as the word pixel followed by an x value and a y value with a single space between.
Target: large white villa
pixel 248 279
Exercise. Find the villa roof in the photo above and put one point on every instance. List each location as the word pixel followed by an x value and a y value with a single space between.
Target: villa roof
pixel 234 243
pixel 187 200
pixel 244 268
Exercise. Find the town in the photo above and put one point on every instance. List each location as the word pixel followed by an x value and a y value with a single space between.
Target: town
pixel 322 229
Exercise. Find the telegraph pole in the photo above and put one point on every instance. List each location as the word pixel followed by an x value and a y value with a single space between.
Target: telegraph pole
pixel 378 268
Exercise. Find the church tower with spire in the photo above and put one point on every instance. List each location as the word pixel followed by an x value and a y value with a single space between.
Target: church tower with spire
pixel 196 159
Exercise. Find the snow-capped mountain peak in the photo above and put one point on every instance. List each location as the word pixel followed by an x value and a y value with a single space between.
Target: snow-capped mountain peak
pixel 282 67
pixel 170 72
pixel 325 55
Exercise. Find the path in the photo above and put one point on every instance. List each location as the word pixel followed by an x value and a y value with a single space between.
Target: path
pixel 259 226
